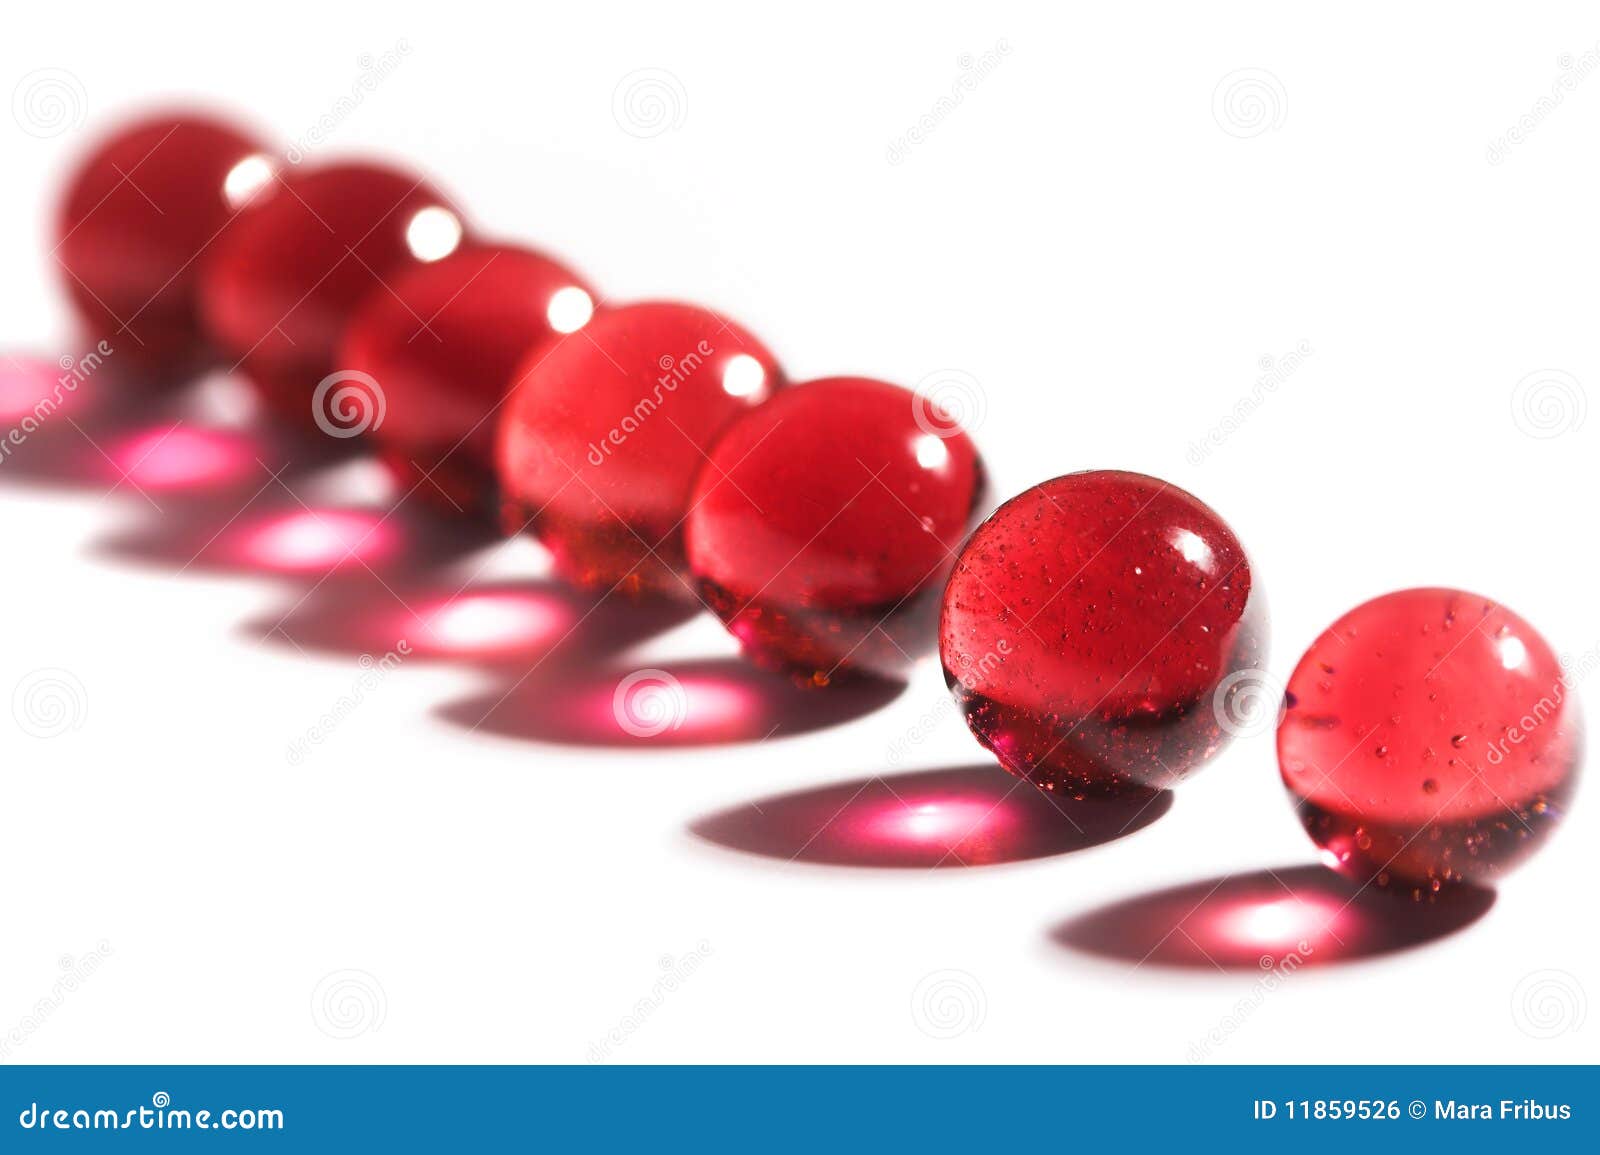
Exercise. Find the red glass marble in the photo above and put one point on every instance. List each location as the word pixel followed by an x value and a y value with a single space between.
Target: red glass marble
pixel 603 436
pixel 139 213
pixel 1092 629
pixel 824 523
pixel 442 348
pixel 278 289
pixel 1430 737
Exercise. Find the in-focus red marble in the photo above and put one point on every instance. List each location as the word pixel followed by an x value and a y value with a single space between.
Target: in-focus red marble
pixel 443 348
pixel 823 526
pixel 604 435
pixel 1093 629
pixel 1431 737
pixel 279 288
pixel 138 216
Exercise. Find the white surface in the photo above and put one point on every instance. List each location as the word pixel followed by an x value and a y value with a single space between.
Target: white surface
pixel 1082 237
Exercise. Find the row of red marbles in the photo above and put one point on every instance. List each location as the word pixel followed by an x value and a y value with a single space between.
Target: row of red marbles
pixel 1099 631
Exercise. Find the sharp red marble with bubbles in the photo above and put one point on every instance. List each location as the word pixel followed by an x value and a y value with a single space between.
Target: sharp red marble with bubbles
pixel 279 288
pixel 139 214
pixel 1430 737
pixel 824 523
pixel 1096 629
pixel 602 438
pixel 443 348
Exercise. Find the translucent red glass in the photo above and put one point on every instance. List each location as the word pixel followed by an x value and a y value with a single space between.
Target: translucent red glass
pixel 1094 629
pixel 278 289
pixel 604 434
pixel 824 523
pixel 139 214
pixel 442 348
pixel 1430 737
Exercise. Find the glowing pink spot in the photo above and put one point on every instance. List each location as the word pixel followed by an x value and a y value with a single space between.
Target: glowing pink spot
pixel 174 457
pixel 1282 922
pixel 946 821
pixel 490 623
pixel 318 539
pixel 966 816
pixel 29 387
pixel 714 703
pixel 1277 920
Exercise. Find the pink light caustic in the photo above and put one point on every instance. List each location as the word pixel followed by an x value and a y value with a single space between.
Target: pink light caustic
pixel 172 457
pixel 318 539
pixel 488 623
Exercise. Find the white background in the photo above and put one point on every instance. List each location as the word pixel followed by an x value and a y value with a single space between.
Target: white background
pixel 1103 249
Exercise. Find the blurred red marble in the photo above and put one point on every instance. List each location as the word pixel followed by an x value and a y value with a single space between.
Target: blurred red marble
pixel 138 217
pixel 443 347
pixel 278 289
pixel 1430 738
pixel 823 525
pixel 603 437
